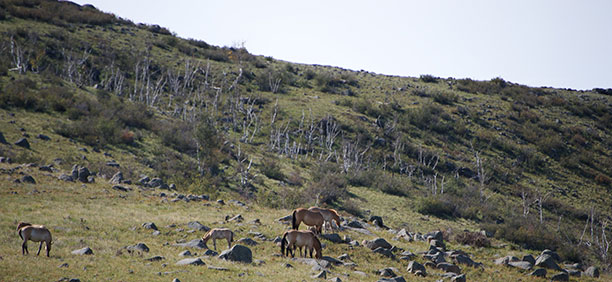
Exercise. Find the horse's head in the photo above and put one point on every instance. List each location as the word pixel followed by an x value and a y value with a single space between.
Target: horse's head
pixel 22 224
pixel 318 249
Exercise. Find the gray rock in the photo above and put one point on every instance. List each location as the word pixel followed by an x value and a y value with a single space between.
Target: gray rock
pixel 140 247
pixel 377 220
pixel 344 257
pixel 248 242
pixel 83 173
pixel 112 164
pixel 449 267
pixel 392 279
pixel 554 255
pixel 355 224
pixel 176 280
pixel 190 261
pixel 172 186
pixel 436 235
pixel 156 183
pixel 65 177
pixel 547 261
pixel 46 168
pixel 320 275
pixel 63 265
pixel 210 253
pixel 437 244
pixel 386 272
pixel 120 188
pixel 197 226
pixel 237 253
pixel 221 202
pixel 117 178
pixel 377 243
pixel 23 142
pixel 83 251
pixel 335 279
pixel 237 218
pixel 529 258
pixel 384 252
pixel 91 179
pixel 155 258
pixel 540 272
pixel 525 265
pixel 505 260
pixel 149 225
pixel 592 271
pixel 2 139
pixel 458 278
pixel 463 259
pixel 562 276
pixel 41 137
pixel 333 237
pixel 195 243
pixel 332 260
pixel 28 179
pixel 414 266
pixel 573 272
pixel 185 253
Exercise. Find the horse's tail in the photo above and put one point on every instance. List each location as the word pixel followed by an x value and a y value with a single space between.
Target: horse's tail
pixel 294 220
pixel 20 236
pixel 283 243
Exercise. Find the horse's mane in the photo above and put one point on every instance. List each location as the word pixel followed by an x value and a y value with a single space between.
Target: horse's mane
pixel 22 225
pixel 207 235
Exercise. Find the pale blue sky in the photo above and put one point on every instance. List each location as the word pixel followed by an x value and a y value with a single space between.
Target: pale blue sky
pixel 556 43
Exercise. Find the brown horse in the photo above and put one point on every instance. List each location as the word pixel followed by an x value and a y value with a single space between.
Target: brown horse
pixel 300 238
pixel 309 218
pixel 34 233
pixel 328 216
pixel 219 233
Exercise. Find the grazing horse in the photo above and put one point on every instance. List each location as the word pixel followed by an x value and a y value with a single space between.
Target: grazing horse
pixel 34 233
pixel 328 216
pixel 300 238
pixel 219 233
pixel 309 218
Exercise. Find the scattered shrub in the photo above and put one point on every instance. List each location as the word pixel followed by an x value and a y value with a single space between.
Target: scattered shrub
pixel 436 207
pixel 271 169
pixel 475 239
pixel 428 78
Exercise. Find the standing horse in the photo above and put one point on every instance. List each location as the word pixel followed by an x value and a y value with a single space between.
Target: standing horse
pixel 219 233
pixel 34 233
pixel 309 218
pixel 300 238
pixel 328 216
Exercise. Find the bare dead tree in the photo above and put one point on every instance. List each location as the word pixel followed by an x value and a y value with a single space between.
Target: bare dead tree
pixel 19 56
pixel 74 66
pixel 540 197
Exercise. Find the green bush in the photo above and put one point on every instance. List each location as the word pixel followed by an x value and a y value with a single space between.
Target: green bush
pixel 270 168
pixel 436 207
pixel 475 239
pixel 428 78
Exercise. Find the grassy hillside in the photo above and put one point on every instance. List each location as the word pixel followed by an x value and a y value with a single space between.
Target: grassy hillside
pixel 530 166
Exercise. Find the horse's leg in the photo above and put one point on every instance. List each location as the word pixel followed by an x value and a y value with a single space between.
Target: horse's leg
pixel 48 247
pixel 215 243
pixel 229 243
pixel 24 247
pixel 39 248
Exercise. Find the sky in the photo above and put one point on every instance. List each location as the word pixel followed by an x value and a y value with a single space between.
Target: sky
pixel 555 43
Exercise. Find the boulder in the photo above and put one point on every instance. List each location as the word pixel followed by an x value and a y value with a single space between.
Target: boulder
pixel 463 259
pixel 195 243
pixel 83 174
pixel 190 261
pixel 65 177
pixel 45 168
pixel 83 251
pixel 120 188
pixel 573 272
pixel 155 258
pixel 505 260
pixel 529 258
pixel 449 267
pixel 344 257
pixel 144 180
pixel 414 266
pixel 23 142
pixel 156 183
pixel 377 243
pixel 562 276
pixel 386 272
pixel 41 137
pixel 140 247
pixel 384 252
pixel 236 218
pixel 377 220
pixel 525 265
pixel 437 244
pixel 333 237
pixel 28 179
pixel 248 242
pixel 592 271
pixel 237 253
pixel 547 261
pixel 554 255
pixel 540 272
pixel 197 226
pixel 210 253
pixel 459 278
pixel 320 275
pixel 185 253
pixel 285 218
pixel 436 235
pixel 392 279
pixel 117 178
pixel 355 224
